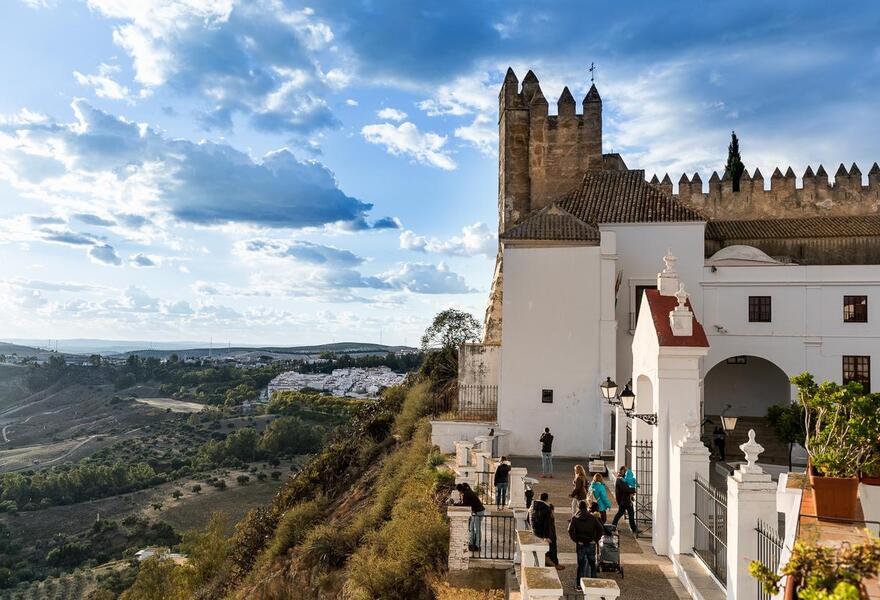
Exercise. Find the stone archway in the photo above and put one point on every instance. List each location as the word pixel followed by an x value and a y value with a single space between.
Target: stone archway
pixel 750 385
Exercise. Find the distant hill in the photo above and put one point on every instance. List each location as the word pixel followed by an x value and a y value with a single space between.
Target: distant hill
pixel 351 348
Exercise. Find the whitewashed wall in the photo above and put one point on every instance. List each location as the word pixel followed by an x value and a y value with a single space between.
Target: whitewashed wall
pixel 807 332
pixel 641 248
pixel 551 340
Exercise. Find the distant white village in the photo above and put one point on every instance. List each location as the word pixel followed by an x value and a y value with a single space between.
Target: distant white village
pixel 354 382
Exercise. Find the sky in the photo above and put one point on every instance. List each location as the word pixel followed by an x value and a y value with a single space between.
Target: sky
pixel 277 172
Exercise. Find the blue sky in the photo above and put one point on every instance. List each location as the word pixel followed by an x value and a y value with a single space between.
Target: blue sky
pixel 280 172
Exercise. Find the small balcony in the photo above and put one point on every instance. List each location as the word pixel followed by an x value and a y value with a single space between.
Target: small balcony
pixel 477 403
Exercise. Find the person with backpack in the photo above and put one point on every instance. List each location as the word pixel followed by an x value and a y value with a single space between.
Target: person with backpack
pixel 543 524
pixel 469 498
pixel 546 440
pixel 600 496
pixel 585 531
pixel 623 493
pixel 502 482
pixel 579 487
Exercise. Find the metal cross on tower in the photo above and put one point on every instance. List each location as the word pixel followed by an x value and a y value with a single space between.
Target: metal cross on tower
pixel 592 71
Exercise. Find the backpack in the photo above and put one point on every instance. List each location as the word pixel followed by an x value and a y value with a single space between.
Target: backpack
pixel 540 521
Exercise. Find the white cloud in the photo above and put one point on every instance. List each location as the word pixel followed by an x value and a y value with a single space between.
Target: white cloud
pixel 392 114
pixel 103 84
pixel 351 102
pixel 422 278
pixel 141 260
pixel 104 254
pixel 257 58
pixel 474 239
pixel 482 133
pixel 407 140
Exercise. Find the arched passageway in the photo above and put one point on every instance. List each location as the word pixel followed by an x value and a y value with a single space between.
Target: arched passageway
pixel 749 385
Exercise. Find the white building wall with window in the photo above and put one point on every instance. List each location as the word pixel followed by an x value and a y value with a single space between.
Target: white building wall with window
pixel 807 331
pixel 553 340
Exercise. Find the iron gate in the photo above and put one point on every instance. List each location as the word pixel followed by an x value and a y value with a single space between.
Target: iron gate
pixel 769 549
pixel 485 487
pixel 627 452
pixel 710 527
pixel 496 536
pixel 639 458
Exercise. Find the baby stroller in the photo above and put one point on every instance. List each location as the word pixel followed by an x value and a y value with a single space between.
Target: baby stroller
pixel 609 551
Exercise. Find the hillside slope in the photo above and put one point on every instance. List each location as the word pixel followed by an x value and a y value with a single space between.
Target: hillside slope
pixel 344 528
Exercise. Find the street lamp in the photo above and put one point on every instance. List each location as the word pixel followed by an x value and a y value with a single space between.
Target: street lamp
pixel 729 423
pixel 609 391
pixel 626 400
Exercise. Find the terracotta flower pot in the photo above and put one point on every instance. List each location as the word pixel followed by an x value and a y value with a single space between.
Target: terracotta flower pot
pixel 835 497
pixel 870 480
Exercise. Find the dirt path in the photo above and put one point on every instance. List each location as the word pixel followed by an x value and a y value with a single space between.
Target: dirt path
pixel 6 439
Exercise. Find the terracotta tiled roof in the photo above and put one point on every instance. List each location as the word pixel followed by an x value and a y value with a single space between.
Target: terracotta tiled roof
pixel 624 197
pixel 553 224
pixel 807 227
pixel 660 307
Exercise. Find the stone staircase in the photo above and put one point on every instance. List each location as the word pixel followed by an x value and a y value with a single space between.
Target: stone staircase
pixel 775 451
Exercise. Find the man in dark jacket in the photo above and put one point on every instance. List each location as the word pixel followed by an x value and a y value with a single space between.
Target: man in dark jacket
pixel 543 525
pixel 469 498
pixel 623 493
pixel 502 482
pixel 546 440
pixel 585 531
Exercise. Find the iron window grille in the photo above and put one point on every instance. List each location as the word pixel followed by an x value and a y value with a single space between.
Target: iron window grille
pixel 858 369
pixel 855 309
pixel 759 309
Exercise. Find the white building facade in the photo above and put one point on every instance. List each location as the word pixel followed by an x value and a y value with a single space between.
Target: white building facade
pixel 778 293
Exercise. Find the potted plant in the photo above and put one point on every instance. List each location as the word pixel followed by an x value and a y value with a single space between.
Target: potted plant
pixel 839 421
pixel 870 471
pixel 823 572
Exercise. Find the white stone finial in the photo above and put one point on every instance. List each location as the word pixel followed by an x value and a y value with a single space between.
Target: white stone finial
pixel 667 279
pixel 752 450
pixel 669 260
pixel 692 427
pixel 682 296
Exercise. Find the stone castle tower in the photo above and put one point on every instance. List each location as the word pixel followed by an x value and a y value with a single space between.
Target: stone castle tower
pixel 543 156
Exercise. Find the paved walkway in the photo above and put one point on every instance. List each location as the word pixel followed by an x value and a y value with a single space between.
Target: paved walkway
pixel 646 575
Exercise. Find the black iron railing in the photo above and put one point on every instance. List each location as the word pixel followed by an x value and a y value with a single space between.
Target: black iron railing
pixel 640 458
pixel 769 549
pixel 497 537
pixel 473 403
pixel 710 527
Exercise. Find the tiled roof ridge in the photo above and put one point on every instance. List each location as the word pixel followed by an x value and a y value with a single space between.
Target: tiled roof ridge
pixel 818 226
pixel 552 223
pixel 624 197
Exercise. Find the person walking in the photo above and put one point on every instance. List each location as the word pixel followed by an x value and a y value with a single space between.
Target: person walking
pixel 585 531
pixel 623 493
pixel 579 487
pixel 600 495
pixel 546 440
pixel 543 524
pixel 469 498
pixel 502 482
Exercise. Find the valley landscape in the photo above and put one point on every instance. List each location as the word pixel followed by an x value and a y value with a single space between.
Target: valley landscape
pixel 101 457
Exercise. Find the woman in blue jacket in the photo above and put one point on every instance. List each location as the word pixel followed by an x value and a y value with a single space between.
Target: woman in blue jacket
pixel 600 496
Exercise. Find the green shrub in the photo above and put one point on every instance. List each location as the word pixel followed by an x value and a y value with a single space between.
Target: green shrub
pixel 325 547
pixel 293 527
pixel 415 406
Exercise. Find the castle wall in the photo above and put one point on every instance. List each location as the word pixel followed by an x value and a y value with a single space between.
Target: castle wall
pixel 816 196
pixel 542 156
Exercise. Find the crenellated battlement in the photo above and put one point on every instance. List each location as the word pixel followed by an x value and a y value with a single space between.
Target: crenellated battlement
pixel 542 156
pixel 814 195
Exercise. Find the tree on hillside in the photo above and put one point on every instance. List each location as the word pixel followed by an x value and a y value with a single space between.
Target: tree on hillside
pixel 734 166
pixel 449 330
